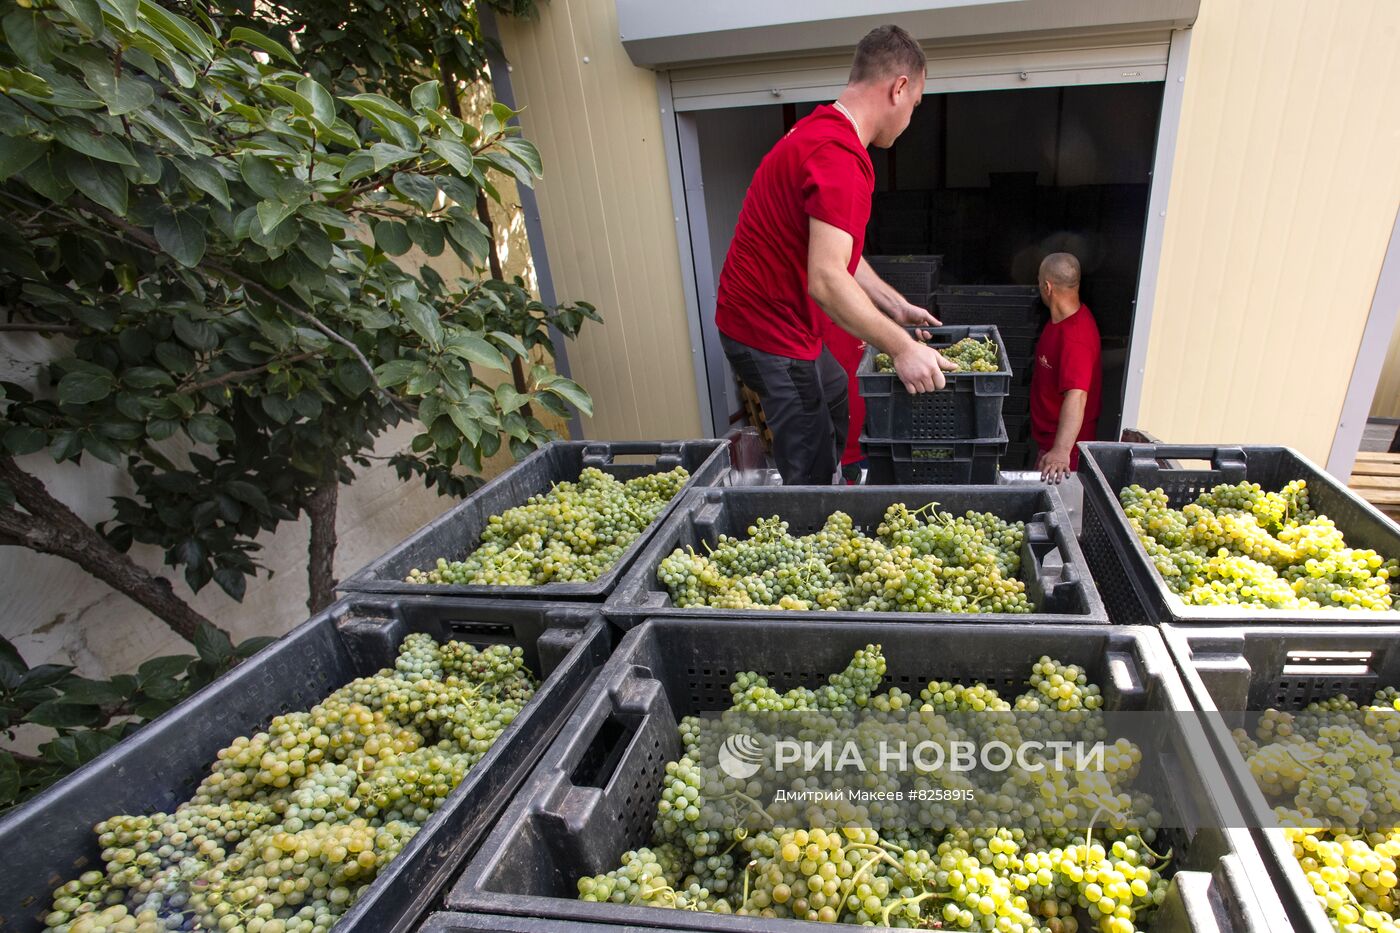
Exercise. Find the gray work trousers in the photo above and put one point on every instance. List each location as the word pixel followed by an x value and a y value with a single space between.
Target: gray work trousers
pixel 805 403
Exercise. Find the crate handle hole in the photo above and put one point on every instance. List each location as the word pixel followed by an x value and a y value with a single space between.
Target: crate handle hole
pixel 603 754
pixel 1328 663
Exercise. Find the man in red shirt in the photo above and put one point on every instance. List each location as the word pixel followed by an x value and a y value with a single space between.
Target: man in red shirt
pixel 795 261
pixel 1067 382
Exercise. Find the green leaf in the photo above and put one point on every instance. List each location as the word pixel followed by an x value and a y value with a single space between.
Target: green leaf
pixel 213 644
pixel 121 93
pixel 392 237
pixel 29 36
pixel 514 425
pixel 9 779
pixel 511 342
pixel 263 43
pixel 84 387
pixel 91 692
pixel 571 392
pixel 525 151
pixel 322 103
pixel 395 372
pixel 278 409
pixel 474 349
pixel 17 154
pixel 146 377
pixel 101 181
pixel 162 668
pixel 57 714
pixel 181 235
pixel 272 213
pixel 388 117
pixel 453 153
pixel 180 32
pixel 509 399
pixel 469 426
pixel 427 96
pixel 205 176
pixel 208 429
pixel 103 147
pixel 427 234
pixel 387 154
pixel 424 320
pixel 251 646
pixel 468 233
pixel 23 439
pixel 416 189
pixel 260 175
pixel 194 333
pixel 86 15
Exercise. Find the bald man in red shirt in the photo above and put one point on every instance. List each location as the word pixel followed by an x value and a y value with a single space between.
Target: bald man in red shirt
pixel 795 264
pixel 1067 382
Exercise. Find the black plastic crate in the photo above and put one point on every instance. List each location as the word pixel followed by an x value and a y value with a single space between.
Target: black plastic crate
pixel 562 826
pixel 1017 308
pixel 914 277
pixel 49 839
pixel 944 463
pixel 1057 580
pixel 1131 586
pixel 1230 671
pixel 457 532
pixel 968 406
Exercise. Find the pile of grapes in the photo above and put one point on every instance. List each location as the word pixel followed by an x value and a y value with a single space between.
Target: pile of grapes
pixel 293 824
pixel 1240 545
pixel 571 534
pixel 1330 774
pixel 999 864
pixel 971 354
pixel 922 560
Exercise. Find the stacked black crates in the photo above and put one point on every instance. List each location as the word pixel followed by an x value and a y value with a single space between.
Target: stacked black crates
pixel 951 436
pixel 1018 314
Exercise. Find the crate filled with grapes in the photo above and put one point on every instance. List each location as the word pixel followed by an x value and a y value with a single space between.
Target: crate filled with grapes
pixel 875 553
pixel 1216 535
pixel 334 779
pixel 671 799
pixel 969 406
pixel 563 523
pixel 1306 722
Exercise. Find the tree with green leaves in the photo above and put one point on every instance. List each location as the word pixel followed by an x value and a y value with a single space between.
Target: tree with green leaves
pixel 215 242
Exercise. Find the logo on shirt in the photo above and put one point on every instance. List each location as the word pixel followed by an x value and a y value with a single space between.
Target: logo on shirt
pixel 1045 361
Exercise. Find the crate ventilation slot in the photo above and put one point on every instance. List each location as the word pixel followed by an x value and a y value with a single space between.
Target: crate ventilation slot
pixel 469 630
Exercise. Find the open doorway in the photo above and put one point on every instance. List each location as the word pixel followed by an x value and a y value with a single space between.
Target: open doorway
pixel 991 181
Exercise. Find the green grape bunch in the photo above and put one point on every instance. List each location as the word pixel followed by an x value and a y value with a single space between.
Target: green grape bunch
pixel 572 534
pixel 921 560
pixel 840 865
pixel 1329 773
pixel 292 824
pixel 1238 545
pixel 973 355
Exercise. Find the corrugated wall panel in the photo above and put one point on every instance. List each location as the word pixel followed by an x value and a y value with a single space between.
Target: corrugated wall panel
pixel 1284 189
pixel 606 210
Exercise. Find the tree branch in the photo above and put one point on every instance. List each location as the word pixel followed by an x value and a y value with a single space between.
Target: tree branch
pixel 49 527
pixel 239 374
pixel 40 328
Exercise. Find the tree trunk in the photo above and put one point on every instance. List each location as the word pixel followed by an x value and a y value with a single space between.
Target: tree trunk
pixel 320 571
pixel 50 527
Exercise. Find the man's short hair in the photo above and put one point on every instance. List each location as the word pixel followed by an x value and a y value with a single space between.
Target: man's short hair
pixel 1060 269
pixel 887 52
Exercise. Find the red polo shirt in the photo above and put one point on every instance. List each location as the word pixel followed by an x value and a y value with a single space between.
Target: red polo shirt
pixel 819 169
pixel 1067 356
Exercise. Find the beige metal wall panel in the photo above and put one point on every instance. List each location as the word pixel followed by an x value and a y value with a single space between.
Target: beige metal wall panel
pixel 605 206
pixel 1386 403
pixel 1283 193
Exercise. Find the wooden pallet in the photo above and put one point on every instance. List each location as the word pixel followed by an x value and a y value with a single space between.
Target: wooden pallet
pixel 1376 478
